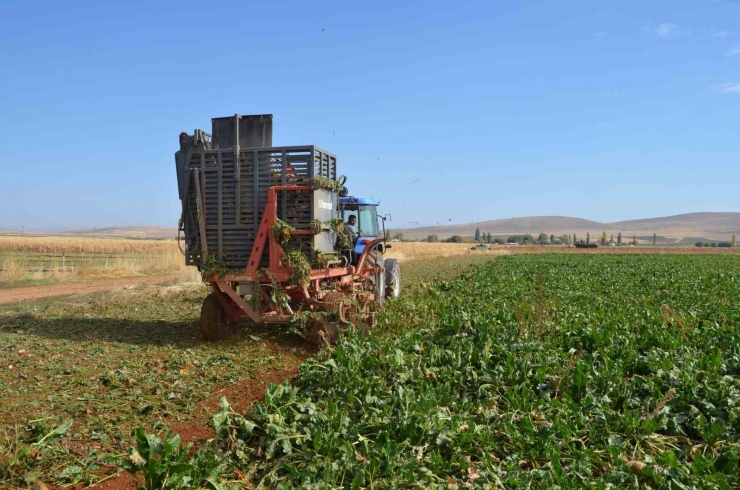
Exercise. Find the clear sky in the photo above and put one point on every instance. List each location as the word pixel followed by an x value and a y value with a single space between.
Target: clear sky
pixel 461 111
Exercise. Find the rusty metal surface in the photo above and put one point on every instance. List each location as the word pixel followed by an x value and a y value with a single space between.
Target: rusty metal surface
pixel 225 288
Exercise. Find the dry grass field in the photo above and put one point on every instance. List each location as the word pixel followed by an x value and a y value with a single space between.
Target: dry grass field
pixel 420 250
pixel 59 244
pixel 45 260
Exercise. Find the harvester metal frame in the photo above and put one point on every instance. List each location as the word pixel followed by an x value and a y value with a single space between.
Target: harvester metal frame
pixel 348 279
pixel 235 237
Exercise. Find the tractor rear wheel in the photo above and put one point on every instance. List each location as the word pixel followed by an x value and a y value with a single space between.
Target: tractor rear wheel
pixel 392 278
pixel 375 260
pixel 213 323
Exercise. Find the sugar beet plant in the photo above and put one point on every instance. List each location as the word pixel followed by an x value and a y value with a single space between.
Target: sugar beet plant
pixel 530 372
pixel 168 465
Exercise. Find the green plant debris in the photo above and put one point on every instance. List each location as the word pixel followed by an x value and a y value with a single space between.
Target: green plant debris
pixel 297 262
pixel 540 371
pixel 303 320
pixel 321 260
pixel 274 291
pixel 213 266
pixel 112 362
pixel 281 231
pixel 344 241
pixel 328 184
pixel 167 464
pixel 293 259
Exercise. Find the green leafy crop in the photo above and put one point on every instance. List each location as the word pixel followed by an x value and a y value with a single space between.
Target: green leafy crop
pixel 538 371
pixel 166 464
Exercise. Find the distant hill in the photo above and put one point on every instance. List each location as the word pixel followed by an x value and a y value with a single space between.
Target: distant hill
pixel 671 229
pixel 683 229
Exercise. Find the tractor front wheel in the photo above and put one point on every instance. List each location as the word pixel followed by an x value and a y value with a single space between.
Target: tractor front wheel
pixel 213 323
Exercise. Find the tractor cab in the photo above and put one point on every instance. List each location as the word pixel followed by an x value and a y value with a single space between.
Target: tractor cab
pixel 366 230
pixel 366 227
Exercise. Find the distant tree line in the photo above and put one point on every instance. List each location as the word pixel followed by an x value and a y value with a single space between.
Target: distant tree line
pixel 544 239
pixel 707 243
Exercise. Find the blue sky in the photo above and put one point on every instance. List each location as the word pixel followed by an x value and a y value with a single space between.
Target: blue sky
pixel 447 111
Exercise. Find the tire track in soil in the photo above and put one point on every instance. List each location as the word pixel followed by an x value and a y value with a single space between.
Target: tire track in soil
pixel 240 395
pixel 30 293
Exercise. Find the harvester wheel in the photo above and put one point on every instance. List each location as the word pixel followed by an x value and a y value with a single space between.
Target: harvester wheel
pixel 213 323
pixel 392 278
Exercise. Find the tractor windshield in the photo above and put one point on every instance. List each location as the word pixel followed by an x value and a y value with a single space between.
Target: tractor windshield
pixel 367 219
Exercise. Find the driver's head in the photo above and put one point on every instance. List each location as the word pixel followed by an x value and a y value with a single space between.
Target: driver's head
pixel 352 220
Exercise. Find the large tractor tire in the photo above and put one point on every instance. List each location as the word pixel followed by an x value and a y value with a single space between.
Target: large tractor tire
pixel 392 278
pixel 375 259
pixel 213 323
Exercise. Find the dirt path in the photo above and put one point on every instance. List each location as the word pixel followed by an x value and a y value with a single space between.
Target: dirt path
pixel 30 293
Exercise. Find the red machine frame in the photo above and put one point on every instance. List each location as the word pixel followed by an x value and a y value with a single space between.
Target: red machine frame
pixel 349 279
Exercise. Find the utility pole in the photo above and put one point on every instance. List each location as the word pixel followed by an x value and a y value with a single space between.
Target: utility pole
pixel 22 230
pixel 94 233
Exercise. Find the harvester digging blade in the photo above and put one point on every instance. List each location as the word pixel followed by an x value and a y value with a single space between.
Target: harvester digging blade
pixel 323 333
pixel 361 325
pixel 346 310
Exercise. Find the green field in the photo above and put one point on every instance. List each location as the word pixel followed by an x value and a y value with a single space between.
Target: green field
pixel 527 371
pixel 112 361
pixel 531 372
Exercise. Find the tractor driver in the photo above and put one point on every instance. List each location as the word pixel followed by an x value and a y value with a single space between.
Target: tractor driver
pixel 349 227
pixel 349 230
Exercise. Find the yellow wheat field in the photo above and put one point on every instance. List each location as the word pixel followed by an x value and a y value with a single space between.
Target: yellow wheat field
pixel 59 244
pixel 31 259
pixel 404 251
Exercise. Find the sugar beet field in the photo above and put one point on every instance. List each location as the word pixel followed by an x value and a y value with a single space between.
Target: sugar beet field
pixel 526 371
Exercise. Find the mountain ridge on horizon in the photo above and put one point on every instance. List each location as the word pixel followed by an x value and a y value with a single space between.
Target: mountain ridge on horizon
pixel 709 225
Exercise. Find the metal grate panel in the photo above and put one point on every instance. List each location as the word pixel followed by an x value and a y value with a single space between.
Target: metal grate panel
pixel 234 192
